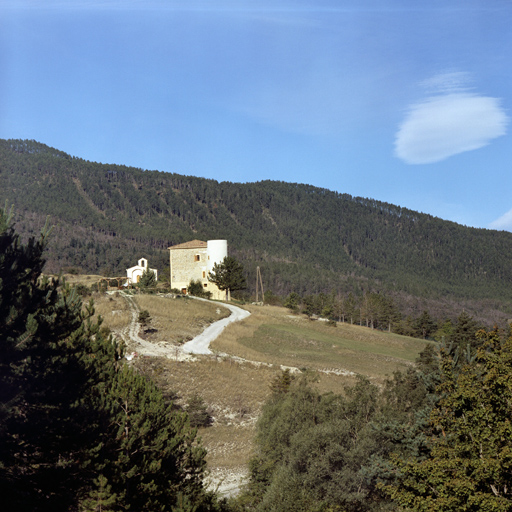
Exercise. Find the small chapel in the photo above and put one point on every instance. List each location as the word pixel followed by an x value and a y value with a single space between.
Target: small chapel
pixel 135 273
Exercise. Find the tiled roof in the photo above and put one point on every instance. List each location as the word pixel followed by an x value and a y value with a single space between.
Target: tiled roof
pixel 193 244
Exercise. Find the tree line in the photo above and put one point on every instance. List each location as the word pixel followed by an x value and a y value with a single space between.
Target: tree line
pixel 433 438
pixel 378 311
pixel 80 430
pixel 303 238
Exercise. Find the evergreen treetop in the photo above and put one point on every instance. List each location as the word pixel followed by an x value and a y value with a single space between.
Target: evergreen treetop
pixel 228 275
pixel 79 429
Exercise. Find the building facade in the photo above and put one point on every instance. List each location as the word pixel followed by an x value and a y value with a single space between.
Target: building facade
pixel 134 273
pixel 193 260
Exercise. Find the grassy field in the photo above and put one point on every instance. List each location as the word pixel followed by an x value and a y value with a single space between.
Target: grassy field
pixel 179 320
pixel 173 320
pixel 234 388
pixel 273 335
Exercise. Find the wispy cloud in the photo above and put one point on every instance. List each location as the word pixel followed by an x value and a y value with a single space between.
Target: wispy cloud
pixel 503 223
pixel 455 81
pixel 452 121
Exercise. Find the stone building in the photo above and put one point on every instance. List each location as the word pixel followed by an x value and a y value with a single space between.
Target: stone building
pixel 134 273
pixel 193 260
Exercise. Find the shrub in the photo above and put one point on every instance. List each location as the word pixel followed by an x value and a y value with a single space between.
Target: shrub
pixel 292 301
pixel 82 290
pixel 196 289
pixel 198 412
pixel 144 318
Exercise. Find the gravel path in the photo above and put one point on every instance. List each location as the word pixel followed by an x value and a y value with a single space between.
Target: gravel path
pixel 226 482
pixel 199 345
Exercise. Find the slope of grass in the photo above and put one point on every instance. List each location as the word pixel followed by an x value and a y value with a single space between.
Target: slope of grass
pixel 180 319
pixel 274 336
pixel 235 390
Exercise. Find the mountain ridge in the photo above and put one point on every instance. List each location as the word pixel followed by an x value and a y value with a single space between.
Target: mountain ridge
pixel 304 238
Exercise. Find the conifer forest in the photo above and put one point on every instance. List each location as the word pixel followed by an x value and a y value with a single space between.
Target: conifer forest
pixel 81 430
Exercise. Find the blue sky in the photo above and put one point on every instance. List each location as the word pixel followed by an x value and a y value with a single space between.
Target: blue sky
pixel 402 101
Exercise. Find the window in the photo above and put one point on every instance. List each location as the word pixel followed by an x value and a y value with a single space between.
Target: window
pixel 197 257
pixel 206 285
pixel 204 274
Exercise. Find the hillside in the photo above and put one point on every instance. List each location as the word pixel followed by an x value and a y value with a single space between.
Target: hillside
pixel 305 239
pixel 235 381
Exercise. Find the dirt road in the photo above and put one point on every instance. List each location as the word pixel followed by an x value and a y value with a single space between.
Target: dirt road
pixel 199 345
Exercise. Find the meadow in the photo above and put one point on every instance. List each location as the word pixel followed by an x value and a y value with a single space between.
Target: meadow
pixel 273 335
pixel 235 381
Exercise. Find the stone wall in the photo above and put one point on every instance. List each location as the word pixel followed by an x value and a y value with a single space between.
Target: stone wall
pixel 191 263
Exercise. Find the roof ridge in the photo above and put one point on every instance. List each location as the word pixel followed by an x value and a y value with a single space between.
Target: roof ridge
pixel 192 244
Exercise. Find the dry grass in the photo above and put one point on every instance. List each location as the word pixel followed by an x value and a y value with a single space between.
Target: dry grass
pixel 113 309
pixel 86 280
pixel 332 383
pixel 274 336
pixel 228 446
pixel 235 391
pixel 179 319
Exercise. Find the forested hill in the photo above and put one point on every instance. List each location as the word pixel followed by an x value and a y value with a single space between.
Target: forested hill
pixel 305 239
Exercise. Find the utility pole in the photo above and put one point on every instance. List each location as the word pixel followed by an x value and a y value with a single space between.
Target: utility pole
pixel 259 283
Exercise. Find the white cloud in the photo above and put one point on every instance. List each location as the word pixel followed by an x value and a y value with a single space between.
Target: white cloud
pixel 503 223
pixel 447 82
pixel 449 123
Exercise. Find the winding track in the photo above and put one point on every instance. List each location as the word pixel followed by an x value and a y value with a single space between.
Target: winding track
pixel 225 482
pixel 199 345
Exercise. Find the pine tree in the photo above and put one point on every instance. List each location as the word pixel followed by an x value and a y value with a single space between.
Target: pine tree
pixel 228 275
pixel 351 307
pixel 424 325
pixel 51 357
pixel 101 498
pixel 470 463
pixel 464 332
pixel 197 412
pixel 281 383
pixel 292 301
pixel 70 411
pixel 147 279
pixel 144 318
pixel 151 452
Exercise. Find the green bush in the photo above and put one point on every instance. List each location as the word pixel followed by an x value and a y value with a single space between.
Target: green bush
pixel 144 318
pixel 82 290
pixel 198 412
pixel 196 289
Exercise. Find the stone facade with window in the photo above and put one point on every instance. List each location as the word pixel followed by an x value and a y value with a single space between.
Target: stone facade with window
pixel 193 260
